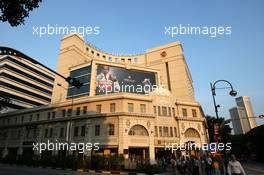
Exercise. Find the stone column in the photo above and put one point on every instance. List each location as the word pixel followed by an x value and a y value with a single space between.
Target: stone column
pixel 151 149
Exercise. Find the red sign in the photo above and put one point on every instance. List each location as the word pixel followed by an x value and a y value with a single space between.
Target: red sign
pixel 163 54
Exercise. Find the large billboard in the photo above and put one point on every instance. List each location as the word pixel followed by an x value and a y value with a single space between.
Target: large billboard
pixel 112 79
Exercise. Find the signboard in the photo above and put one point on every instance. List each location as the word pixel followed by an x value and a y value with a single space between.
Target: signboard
pixel 112 79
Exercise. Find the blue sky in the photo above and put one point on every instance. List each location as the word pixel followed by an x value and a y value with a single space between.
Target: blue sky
pixel 134 26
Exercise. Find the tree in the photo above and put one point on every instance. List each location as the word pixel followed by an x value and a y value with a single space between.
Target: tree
pixel 224 131
pixel 14 11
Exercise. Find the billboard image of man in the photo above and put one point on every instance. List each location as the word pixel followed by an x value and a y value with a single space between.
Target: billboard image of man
pixel 106 81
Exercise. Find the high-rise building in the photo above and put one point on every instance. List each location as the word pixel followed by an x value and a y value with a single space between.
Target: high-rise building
pixel 239 121
pixel 242 115
pixel 25 83
pixel 244 101
pixel 132 105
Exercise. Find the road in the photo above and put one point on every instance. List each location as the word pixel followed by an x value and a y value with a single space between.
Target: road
pixel 251 168
pixel 23 170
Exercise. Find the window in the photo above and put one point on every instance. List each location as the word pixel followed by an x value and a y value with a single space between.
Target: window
pixel 156 131
pixel 194 113
pixel 37 117
pixel 22 119
pixel 53 114
pixel 184 112
pixel 83 75
pixel 166 131
pixel 117 60
pixel 78 111
pixel 28 133
pixel 83 130
pixel 34 133
pixel 123 60
pixel 110 59
pixel 143 108
pixel 175 132
pixel 30 118
pixel 111 130
pixel 98 54
pixel 46 133
pixel 171 132
pixel 129 60
pixel 97 130
pixel 130 107
pixel 76 128
pixel 62 132
pixel 173 112
pixel 169 111
pixel 135 60
pixel 138 130
pixel 160 131
pixel 51 132
pixel 48 115
pixel 69 112
pixel 159 112
pixel 155 109
pixel 98 108
pixel 164 111
pixel 85 110
pixel 112 107
pixel 63 113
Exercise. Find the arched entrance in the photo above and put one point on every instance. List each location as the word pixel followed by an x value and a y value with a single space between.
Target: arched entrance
pixel 139 144
pixel 193 141
pixel 138 130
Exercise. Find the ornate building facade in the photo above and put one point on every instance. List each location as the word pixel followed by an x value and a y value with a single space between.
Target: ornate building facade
pixel 130 105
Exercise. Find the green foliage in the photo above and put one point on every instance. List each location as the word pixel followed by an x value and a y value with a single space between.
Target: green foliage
pixel 96 162
pixel 107 163
pixel 225 130
pixel 149 169
pixel 255 142
pixel 14 11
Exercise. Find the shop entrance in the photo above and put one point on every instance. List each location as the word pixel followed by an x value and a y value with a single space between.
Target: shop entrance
pixel 139 155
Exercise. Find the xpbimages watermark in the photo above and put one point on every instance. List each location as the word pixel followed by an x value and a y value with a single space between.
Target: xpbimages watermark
pixel 210 31
pixel 211 147
pixel 48 30
pixel 68 146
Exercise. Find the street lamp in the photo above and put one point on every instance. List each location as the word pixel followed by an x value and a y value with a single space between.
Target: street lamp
pixel 213 88
pixel 69 125
pixel 216 106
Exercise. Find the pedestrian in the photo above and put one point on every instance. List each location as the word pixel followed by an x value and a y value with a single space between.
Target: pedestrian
pixel 196 165
pixel 216 167
pixel 173 165
pixel 234 167
pixel 203 166
pixel 209 165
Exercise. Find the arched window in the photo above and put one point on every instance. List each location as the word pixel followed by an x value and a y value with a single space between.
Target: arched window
pixel 192 133
pixel 138 130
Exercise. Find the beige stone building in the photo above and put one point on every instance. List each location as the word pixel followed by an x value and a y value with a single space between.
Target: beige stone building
pixel 136 123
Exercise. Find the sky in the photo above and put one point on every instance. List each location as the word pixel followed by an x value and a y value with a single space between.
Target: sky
pixel 133 26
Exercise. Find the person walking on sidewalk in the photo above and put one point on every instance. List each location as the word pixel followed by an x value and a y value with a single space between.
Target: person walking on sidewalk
pixel 234 167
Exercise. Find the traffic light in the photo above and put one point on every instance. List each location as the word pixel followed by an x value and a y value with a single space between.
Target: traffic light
pixel 74 82
pixel 261 116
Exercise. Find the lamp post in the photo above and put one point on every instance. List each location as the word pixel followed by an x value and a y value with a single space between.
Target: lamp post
pixel 69 125
pixel 216 106
pixel 213 88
